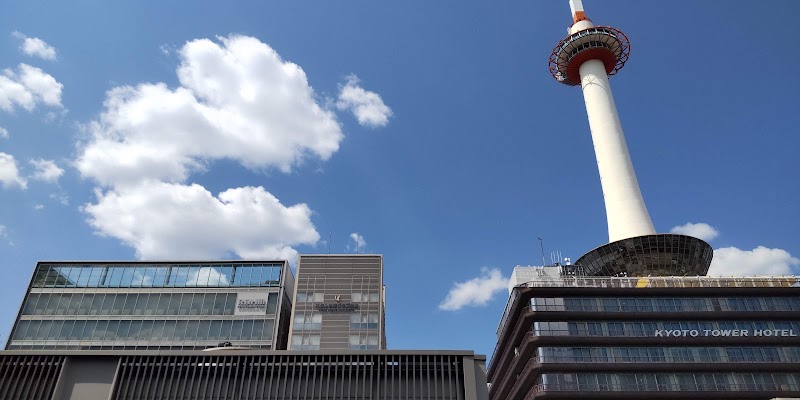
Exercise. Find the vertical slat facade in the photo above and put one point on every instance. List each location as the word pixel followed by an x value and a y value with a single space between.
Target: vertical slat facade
pixel 281 377
pixel 29 377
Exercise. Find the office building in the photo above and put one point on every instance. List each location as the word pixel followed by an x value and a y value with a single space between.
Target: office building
pixel 589 337
pixel 339 303
pixel 155 306
pixel 241 375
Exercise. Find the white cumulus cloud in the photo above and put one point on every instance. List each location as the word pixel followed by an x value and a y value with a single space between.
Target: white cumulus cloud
pixel 172 221
pixel 368 107
pixel 46 170
pixel 36 47
pixel 731 261
pixel 359 243
pixel 27 87
pixel 3 133
pixel 475 292
pixel 9 173
pixel 237 99
pixel 700 230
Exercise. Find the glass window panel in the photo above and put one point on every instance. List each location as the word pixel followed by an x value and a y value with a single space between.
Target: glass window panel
pixel 66 328
pixel 50 306
pixel 255 275
pixel 127 277
pixel 158 330
pixel 236 329
pixel 118 307
pixel 129 306
pixel 169 330
pixel 220 301
pixel 135 328
pixel 107 303
pixel 272 303
pixel 77 330
pixel 114 276
pixel 225 332
pixel 146 332
pixel 226 275
pixel 186 303
pixel 124 329
pixel 174 307
pixel 242 277
pixel 40 279
pixel 159 277
pixel 180 329
pixel 247 329
pixel 89 330
pixel 194 277
pixel 115 330
pixel 95 277
pixel 196 305
pixel 32 330
pixel 30 304
pixel 152 303
pixel 203 328
pixel 40 307
pixel 230 304
pixel 93 303
pixel 215 330
pixel 182 274
pixel 258 330
pixel 139 274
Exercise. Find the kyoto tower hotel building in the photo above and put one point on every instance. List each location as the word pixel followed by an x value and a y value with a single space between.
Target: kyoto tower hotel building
pixel 637 317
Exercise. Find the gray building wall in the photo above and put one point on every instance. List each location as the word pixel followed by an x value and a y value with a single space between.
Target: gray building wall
pixel 339 303
pixel 155 305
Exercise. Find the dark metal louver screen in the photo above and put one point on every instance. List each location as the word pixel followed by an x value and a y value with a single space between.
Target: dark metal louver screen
pixel 295 377
pixel 31 377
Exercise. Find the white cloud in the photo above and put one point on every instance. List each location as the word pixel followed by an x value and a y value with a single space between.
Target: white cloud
pixel 237 99
pixel 28 87
pixel 3 133
pixel 359 244
pixel 368 107
pixel 9 174
pixel 46 170
pixel 475 292
pixel 172 221
pixel 700 230
pixel 731 261
pixel 38 207
pixel 3 231
pixel 36 47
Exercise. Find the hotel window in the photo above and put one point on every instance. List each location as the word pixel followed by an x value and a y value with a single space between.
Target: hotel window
pixel 364 321
pixel 310 321
pixel 367 297
pixel 306 297
pixel 305 342
pixel 363 342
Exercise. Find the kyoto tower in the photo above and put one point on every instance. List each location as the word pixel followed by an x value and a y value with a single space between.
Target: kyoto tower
pixel 587 57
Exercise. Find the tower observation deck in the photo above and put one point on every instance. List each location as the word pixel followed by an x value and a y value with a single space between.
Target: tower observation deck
pixel 587 57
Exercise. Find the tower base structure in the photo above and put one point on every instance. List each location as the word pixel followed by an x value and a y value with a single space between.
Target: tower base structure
pixel 651 255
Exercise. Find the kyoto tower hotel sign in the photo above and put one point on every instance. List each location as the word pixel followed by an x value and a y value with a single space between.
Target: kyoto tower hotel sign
pixel 587 57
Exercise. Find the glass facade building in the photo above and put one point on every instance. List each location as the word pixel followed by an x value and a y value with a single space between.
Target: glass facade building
pixel 649 337
pixel 155 305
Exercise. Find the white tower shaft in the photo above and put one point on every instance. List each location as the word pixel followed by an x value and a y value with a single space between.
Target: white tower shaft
pixel 625 209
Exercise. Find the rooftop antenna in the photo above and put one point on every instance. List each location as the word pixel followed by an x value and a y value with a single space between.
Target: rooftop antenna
pixel 541 245
pixel 329 242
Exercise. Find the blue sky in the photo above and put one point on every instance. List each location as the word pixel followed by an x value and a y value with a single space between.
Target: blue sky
pixel 189 130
